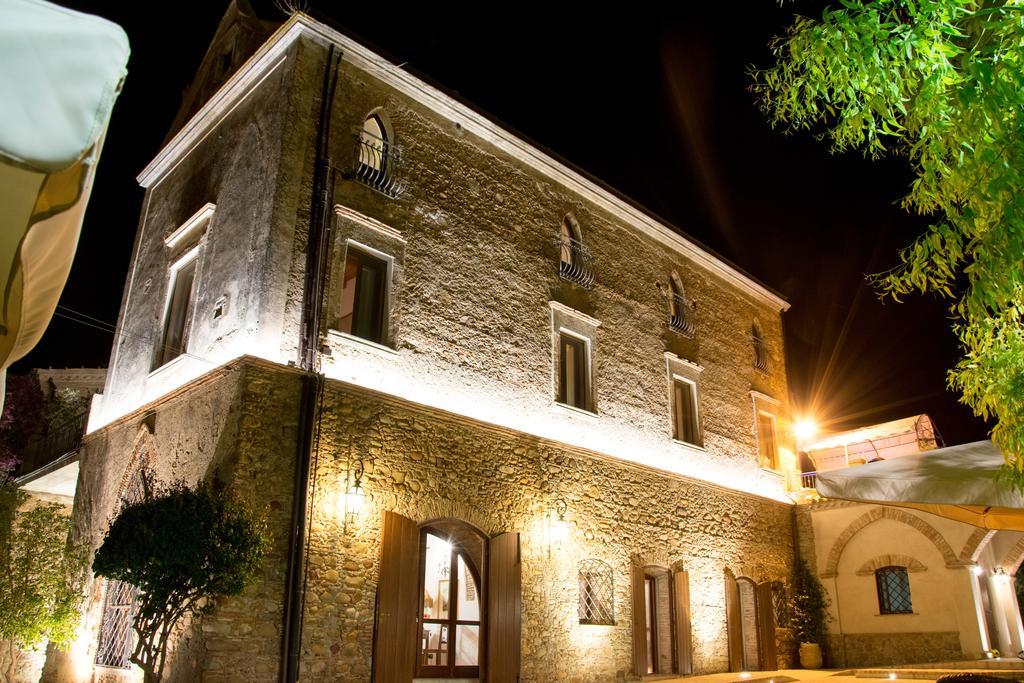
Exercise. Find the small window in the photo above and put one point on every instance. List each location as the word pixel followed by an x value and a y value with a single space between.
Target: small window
pixel 597 593
pixel 361 310
pixel 684 409
pixel 893 585
pixel 179 306
pixel 680 311
pixel 573 372
pixel 372 145
pixel 767 443
pixel 761 359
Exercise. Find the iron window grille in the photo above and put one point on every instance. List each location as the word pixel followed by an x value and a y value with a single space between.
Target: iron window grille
pixel 597 593
pixel 761 358
pixel 377 163
pixel 574 262
pixel 780 604
pixel 682 316
pixel 117 635
pixel 893 585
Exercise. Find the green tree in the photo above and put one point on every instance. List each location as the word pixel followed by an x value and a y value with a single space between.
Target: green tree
pixel 808 606
pixel 940 83
pixel 41 574
pixel 181 548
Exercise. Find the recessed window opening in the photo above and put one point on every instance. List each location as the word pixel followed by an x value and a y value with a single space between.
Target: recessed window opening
pixel 573 371
pixel 767 442
pixel 361 309
pixel 574 257
pixel 893 584
pixel 680 311
pixel 179 306
pixel 686 425
pixel 761 360
pixel 597 593
pixel 372 145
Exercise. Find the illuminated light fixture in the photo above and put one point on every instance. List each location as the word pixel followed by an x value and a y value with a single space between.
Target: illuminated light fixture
pixel 988 653
pixel 804 429
pixel 355 496
pixel 892 675
pixel 744 674
pixel 977 570
pixel 559 527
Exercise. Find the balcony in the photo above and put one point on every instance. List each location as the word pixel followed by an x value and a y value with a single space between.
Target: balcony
pixel 377 164
pixel 762 360
pixel 574 264
pixel 682 316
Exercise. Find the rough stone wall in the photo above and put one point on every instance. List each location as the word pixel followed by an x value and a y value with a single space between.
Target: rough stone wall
pixel 876 649
pixel 478 265
pixel 427 464
pixel 237 424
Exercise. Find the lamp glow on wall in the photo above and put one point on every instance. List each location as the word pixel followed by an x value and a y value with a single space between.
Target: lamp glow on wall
pixel 355 497
pixel 559 530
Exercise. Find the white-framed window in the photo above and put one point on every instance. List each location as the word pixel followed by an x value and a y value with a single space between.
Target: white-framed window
pixel 684 400
pixel 178 308
pixel 362 306
pixel 685 411
pixel 572 340
pixel 767 440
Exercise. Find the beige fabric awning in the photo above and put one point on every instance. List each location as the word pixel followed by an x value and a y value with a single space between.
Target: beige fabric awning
pixel 958 482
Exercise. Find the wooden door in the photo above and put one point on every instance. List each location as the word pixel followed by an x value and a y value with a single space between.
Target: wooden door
pixel 637 580
pixel 734 623
pixel 682 621
pixel 504 608
pixel 394 651
pixel 766 627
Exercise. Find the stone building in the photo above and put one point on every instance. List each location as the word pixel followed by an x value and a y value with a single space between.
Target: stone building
pixel 503 423
pixel 905 585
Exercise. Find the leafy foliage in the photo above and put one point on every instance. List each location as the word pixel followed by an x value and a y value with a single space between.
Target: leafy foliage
pixel 65 405
pixel 180 548
pixel 808 606
pixel 941 83
pixel 23 415
pixel 41 572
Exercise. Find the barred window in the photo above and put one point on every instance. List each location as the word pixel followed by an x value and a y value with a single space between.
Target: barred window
pixel 116 628
pixel 762 359
pixel 893 590
pixel 597 593
pixel 780 604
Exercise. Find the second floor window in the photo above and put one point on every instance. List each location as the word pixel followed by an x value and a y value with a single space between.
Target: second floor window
pixel 179 306
pixel 761 360
pixel 573 256
pixel 893 586
pixel 686 426
pixel 573 372
pixel 767 443
pixel 361 310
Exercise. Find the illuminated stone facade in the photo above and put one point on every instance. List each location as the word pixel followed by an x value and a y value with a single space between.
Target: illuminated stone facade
pixel 453 415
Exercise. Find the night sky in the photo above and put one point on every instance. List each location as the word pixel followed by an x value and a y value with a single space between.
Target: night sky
pixel 652 101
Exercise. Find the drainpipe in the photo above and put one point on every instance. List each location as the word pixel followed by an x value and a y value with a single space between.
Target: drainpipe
pixel 310 409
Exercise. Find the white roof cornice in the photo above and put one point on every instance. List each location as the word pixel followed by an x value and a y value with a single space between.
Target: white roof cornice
pixel 272 53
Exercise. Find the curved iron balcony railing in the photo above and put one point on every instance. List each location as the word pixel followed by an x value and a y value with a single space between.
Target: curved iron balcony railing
pixel 682 317
pixel 762 360
pixel 574 262
pixel 377 164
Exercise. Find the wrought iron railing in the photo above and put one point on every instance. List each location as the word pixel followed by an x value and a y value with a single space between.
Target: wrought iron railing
pixel 762 360
pixel 808 480
pixel 377 163
pixel 58 441
pixel 682 317
pixel 574 262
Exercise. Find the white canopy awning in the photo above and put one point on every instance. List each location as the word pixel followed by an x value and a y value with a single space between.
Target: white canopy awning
pixel 958 482
pixel 61 72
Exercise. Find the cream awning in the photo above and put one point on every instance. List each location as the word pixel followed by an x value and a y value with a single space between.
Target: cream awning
pixel 60 72
pixel 958 482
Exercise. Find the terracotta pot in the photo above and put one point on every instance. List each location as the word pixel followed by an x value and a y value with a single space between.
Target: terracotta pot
pixel 810 655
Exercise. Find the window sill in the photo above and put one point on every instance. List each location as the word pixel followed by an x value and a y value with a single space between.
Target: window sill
pixel 353 341
pixel 578 412
pixel 167 367
pixel 691 446
pixel 775 473
pixel 899 614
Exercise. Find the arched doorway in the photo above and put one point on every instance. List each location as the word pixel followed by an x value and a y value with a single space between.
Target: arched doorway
pixel 450 631
pixel 750 620
pixel 661 621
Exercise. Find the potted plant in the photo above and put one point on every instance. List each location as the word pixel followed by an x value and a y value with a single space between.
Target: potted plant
pixel 809 605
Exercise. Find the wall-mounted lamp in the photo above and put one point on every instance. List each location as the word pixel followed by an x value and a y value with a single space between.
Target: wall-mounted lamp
pixel 977 570
pixel 355 496
pixel 559 527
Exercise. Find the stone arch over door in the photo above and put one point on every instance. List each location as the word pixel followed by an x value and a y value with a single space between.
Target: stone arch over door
pixel 895 515
pixel 1014 557
pixel 976 542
